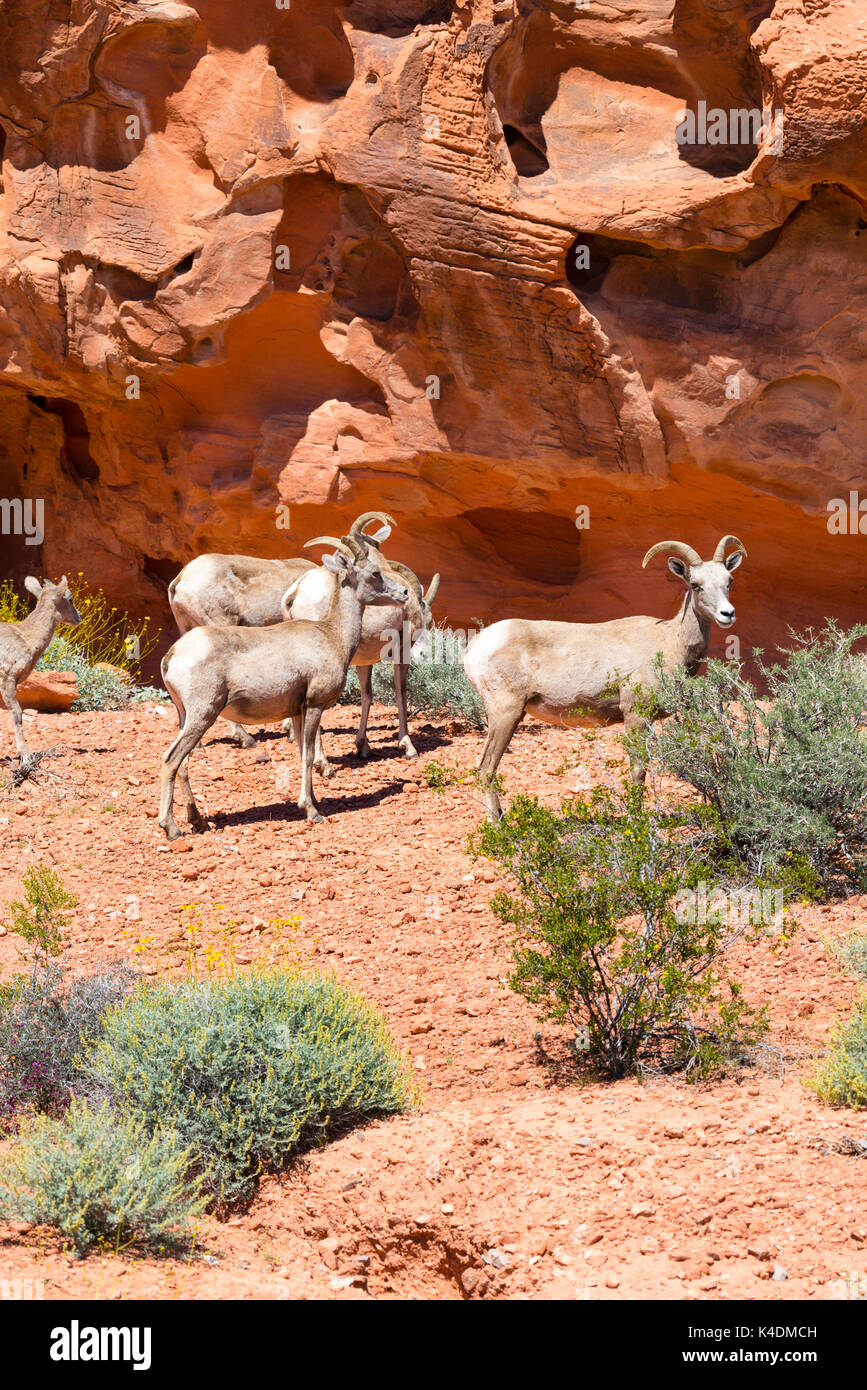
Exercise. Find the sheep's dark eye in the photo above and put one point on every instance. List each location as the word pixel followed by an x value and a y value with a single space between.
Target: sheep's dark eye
pixel 697 588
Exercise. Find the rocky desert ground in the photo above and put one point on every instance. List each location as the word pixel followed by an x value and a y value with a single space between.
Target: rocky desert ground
pixel 518 1176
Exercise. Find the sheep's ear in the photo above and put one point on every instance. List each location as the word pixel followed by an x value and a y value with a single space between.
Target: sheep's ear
pixel 61 583
pixel 734 560
pixel 678 567
pixel 33 586
pixel 381 535
pixel 336 563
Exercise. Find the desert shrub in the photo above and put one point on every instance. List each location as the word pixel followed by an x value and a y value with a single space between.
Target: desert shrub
pixel 101 1180
pixel 99 687
pixel 246 1070
pixel 435 683
pixel 41 919
pixel 786 774
pixel 852 951
pixel 602 940
pixel 47 1020
pixel 841 1078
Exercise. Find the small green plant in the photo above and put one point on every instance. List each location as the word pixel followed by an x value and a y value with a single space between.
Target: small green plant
pixel 600 938
pixel 841 1078
pixel 100 1180
pixel 786 773
pixel 441 775
pixel 44 915
pixel 247 1070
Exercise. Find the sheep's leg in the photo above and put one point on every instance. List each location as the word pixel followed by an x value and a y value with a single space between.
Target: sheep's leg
pixel 194 816
pixel 10 697
pixel 401 671
pixel 241 736
pixel 365 681
pixel 307 801
pixel 190 734
pixel 320 762
pixel 501 727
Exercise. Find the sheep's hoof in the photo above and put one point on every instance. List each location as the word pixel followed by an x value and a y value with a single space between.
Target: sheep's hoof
pixel 406 745
pixel 325 769
pixel 245 740
pixel 363 750
pixel 172 831
pixel 314 817
pixel 198 824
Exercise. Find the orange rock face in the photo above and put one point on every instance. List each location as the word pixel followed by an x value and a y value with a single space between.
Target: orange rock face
pixel 480 263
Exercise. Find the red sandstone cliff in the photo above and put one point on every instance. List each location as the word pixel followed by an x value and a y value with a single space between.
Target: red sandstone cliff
pixel 324 256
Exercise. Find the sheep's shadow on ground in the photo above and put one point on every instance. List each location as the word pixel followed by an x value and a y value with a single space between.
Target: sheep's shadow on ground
pixel 426 740
pixel 288 811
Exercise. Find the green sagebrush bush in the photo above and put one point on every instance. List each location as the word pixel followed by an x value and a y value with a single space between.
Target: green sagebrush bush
pixel 786 773
pixel 852 951
pixel 245 1070
pixel 435 683
pixel 598 942
pixel 100 1179
pixel 841 1078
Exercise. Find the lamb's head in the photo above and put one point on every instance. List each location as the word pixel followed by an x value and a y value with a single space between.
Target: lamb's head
pixel 362 569
pixel 709 581
pixel 59 594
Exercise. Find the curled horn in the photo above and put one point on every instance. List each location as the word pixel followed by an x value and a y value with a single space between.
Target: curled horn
pixel 358 525
pixel 331 540
pixel 353 542
pixel 432 591
pixel 720 552
pixel 685 552
pixel 406 573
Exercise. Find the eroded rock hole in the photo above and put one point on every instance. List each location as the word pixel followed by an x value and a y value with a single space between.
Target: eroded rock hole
pixel 372 282
pixel 542 546
pixel 121 284
pixel 591 255
pixel 396 18
pixel 527 158
pixel 312 54
pixel 76 435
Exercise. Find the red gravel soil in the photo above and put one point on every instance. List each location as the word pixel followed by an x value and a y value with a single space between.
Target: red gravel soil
pixel 517 1177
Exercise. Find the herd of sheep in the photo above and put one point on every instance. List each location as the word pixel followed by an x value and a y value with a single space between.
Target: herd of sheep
pixel 271 641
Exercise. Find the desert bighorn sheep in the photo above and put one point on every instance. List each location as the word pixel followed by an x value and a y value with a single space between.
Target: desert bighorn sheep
pixel 575 674
pixel 243 591
pixel 233 590
pixel 22 644
pixel 266 674
pixel 310 596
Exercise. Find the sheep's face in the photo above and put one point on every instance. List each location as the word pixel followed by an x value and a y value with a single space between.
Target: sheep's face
pixel 366 576
pixel 710 584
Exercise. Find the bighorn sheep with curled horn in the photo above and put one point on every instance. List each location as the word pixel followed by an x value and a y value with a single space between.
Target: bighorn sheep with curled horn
pixel 309 597
pixel 574 674
pixel 266 674
pixel 22 644
pixel 232 590
pixel 245 591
